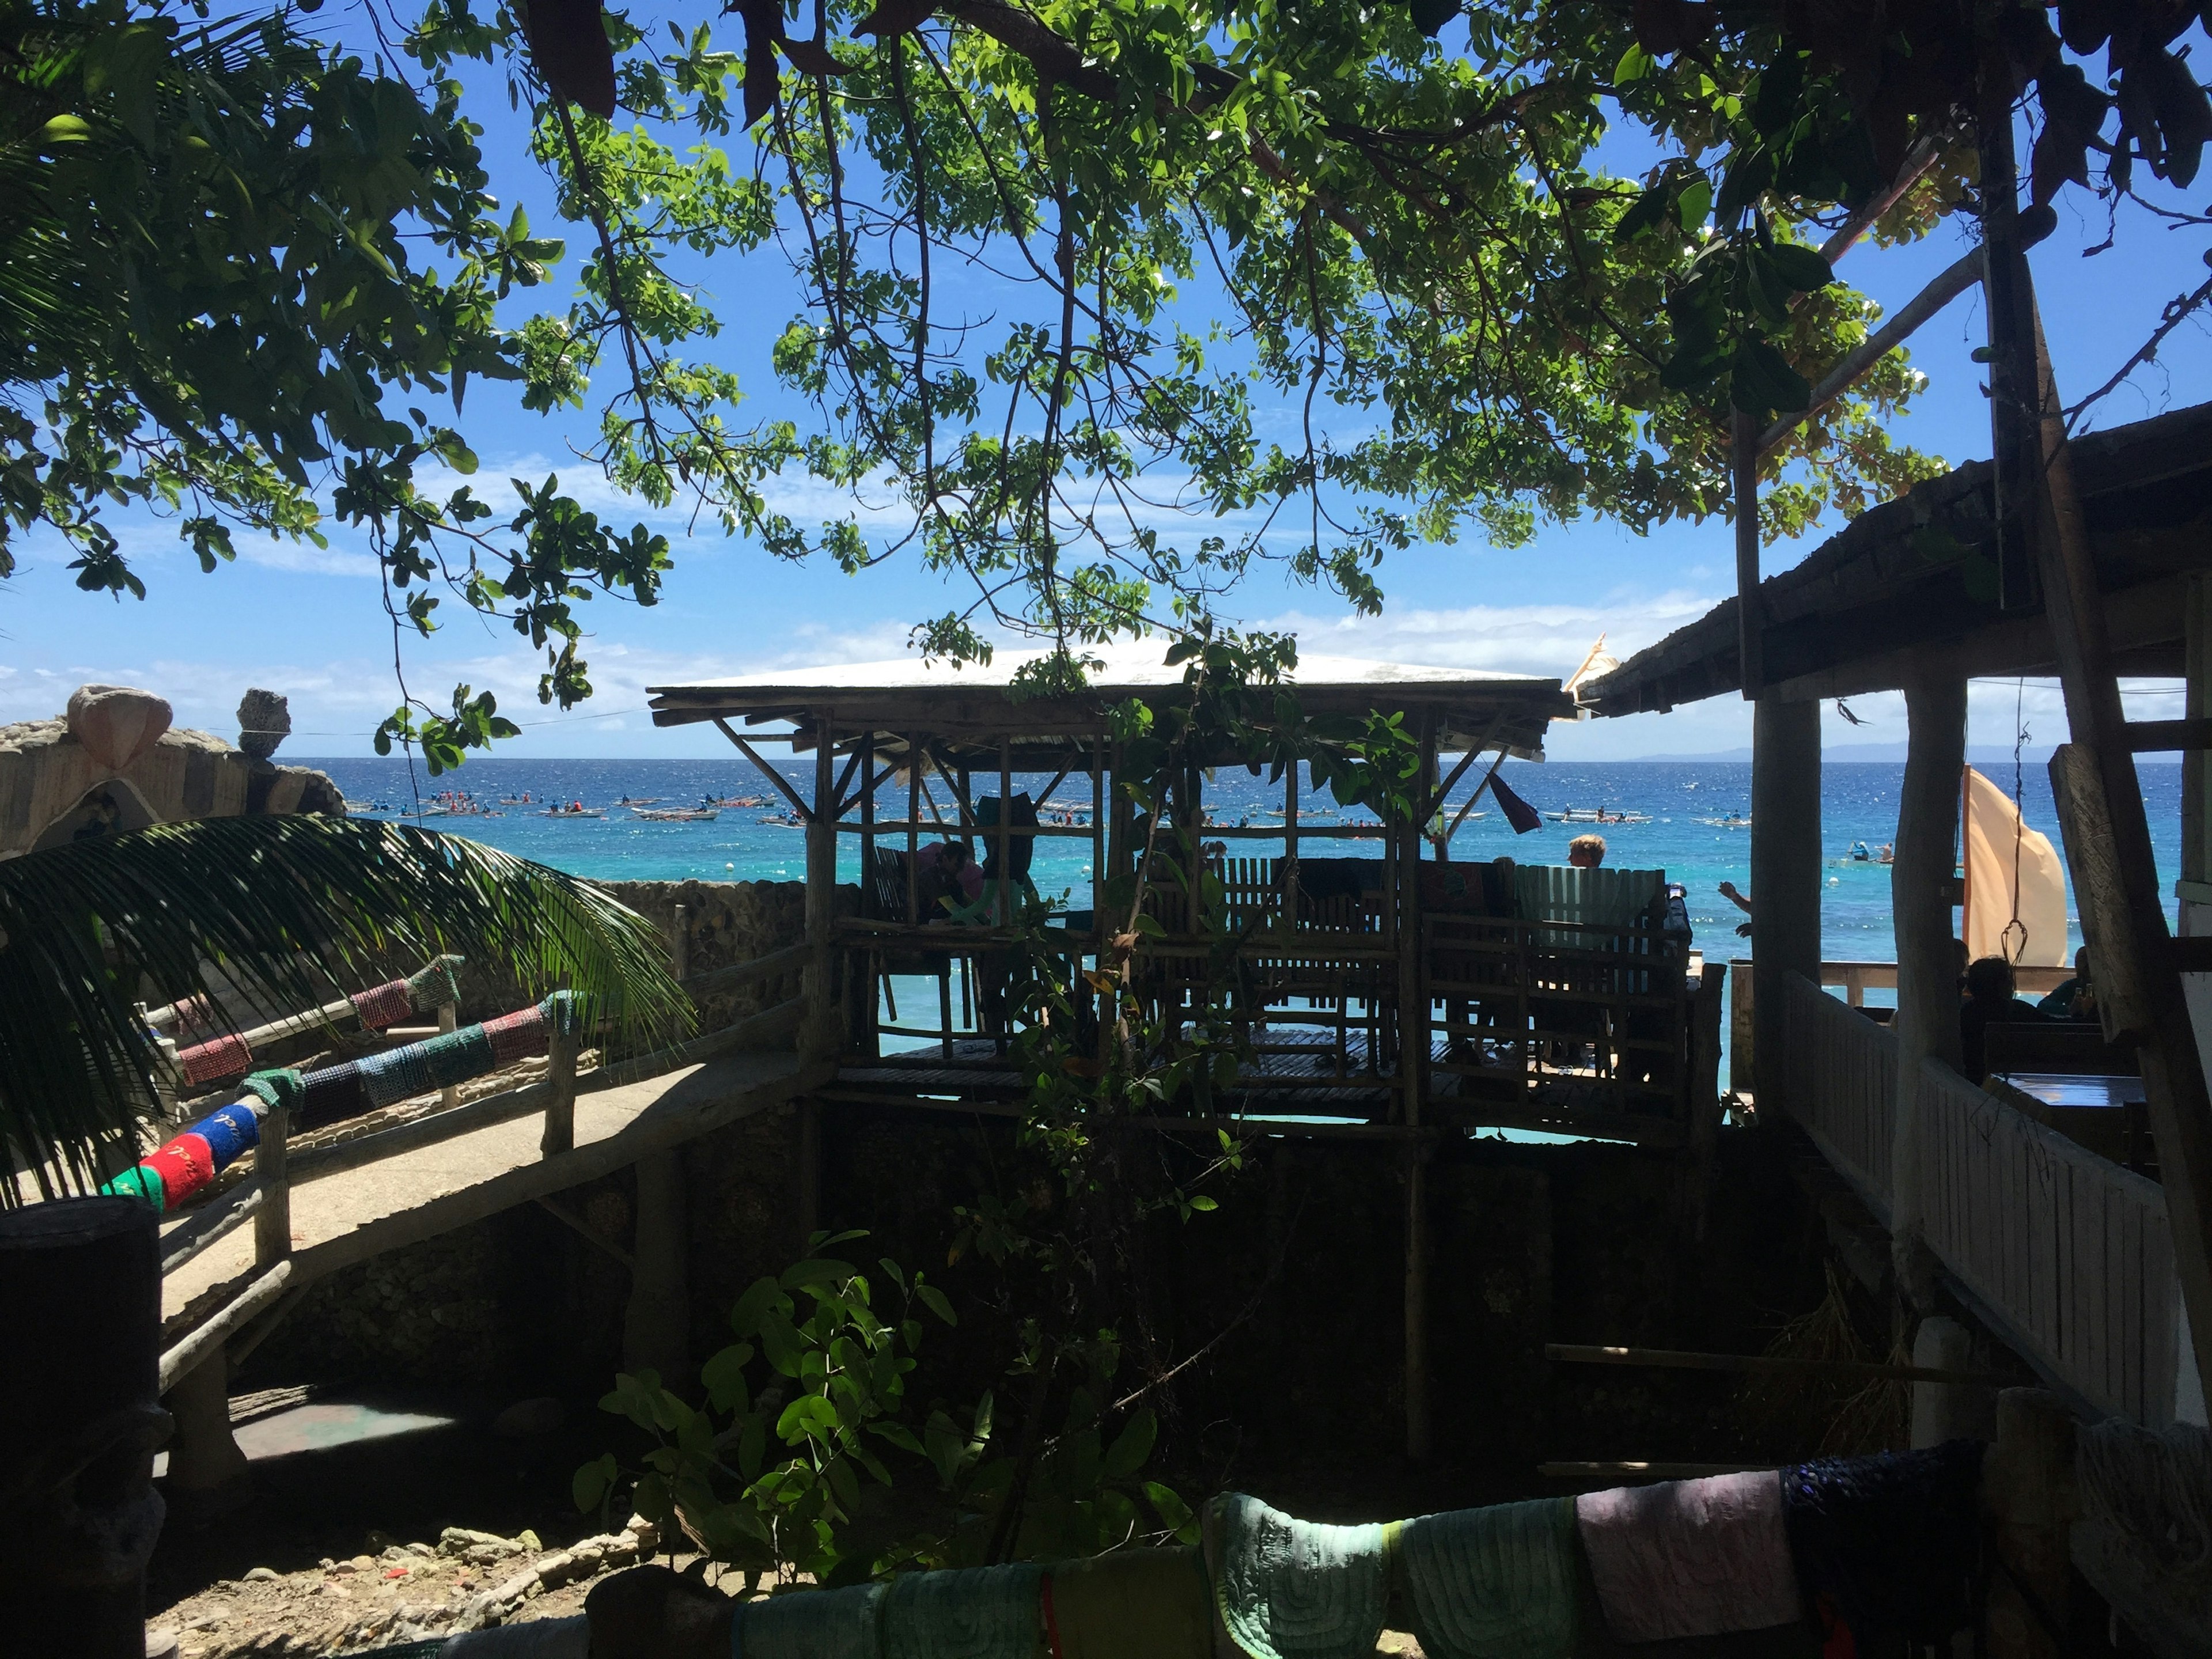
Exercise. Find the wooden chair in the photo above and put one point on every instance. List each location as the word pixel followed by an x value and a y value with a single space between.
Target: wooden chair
pixel 887 891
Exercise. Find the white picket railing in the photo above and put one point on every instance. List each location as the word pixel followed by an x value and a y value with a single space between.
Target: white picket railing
pixel 2069 1253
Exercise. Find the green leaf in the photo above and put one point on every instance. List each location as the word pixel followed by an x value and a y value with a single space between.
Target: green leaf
pixel 592 1482
pixel 937 1302
pixel 1173 1510
pixel 1201 1202
pixel 1636 64
pixel 1131 1447
pixel 1695 204
pixel 821 1270
pixel 1802 268
pixel 724 1377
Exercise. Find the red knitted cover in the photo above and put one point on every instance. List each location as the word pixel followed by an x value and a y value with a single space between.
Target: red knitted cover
pixel 226 1056
pixel 383 1004
pixel 184 1165
pixel 517 1036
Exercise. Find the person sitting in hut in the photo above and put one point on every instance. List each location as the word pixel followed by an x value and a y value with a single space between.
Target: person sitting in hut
pixel 947 877
pixel 1989 1001
pixel 1586 851
pixel 2074 998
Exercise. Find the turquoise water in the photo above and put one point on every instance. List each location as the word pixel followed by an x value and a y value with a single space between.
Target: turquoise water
pixel 1859 803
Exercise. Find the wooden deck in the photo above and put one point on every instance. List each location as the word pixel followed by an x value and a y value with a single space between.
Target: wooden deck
pixel 1288 1078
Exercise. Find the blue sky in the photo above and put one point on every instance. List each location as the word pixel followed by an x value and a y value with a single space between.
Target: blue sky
pixel 307 622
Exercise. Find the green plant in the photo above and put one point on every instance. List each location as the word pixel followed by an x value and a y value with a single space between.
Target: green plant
pixel 767 1475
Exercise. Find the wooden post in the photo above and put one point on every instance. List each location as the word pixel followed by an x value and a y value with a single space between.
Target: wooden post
pixel 2196 820
pixel 448 1018
pixel 2123 919
pixel 1948 1411
pixel 272 1222
pixel 1926 964
pixel 914 765
pixel 1413 1076
pixel 1785 871
pixel 81 1301
pixel 679 943
pixel 208 1475
pixel 559 1134
pixel 820 1039
pixel 1002 905
pixel 2028 1487
pixel 1750 620
pixel 1290 843
pixel 657 1319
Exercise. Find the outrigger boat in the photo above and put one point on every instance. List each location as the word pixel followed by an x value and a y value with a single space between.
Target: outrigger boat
pixel 677 814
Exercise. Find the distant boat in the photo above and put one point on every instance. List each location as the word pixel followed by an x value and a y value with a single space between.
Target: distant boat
pixel 1731 822
pixel 787 820
pixel 1596 815
pixel 639 800
pixel 677 814
pixel 573 812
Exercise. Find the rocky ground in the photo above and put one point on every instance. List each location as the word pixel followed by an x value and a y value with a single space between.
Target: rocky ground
pixel 402 1592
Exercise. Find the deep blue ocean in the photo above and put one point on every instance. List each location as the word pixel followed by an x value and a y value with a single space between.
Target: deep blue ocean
pixel 1682 798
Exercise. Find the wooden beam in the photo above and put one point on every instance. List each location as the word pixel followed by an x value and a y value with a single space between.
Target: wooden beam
pixel 1927 971
pixel 1750 603
pixel 1962 275
pixel 773 776
pixel 2155 737
pixel 1684 1360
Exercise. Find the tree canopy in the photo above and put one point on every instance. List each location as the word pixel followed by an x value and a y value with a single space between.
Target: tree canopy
pixel 1099 304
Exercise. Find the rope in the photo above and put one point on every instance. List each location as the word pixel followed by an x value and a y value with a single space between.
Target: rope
pixel 2154 1487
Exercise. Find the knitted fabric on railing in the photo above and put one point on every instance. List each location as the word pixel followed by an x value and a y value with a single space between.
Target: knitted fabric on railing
pixel 1498 1582
pixel 141 1182
pixel 192 1016
pixel 186 1163
pixel 1690 1557
pixel 209 1062
pixel 983 1613
pixel 330 1094
pixel 517 1036
pixel 1894 1539
pixel 280 1087
pixel 418 1068
pixel 433 987
pixel 1287 1589
pixel 437 1062
pixel 810 1624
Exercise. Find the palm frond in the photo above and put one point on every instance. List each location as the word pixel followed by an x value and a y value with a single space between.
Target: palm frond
pixel 283 906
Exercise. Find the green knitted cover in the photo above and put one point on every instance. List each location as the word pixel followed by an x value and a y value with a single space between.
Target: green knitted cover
pixel 435 985
pixel 1494 1584
pixel 140 1182
pixel 281 1087
pixel 1287 1589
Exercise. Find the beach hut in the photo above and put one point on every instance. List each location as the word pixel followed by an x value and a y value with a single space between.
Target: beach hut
pixel 2089 1270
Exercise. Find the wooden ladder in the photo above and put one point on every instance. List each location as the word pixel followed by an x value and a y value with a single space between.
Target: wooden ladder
pixel 2138 963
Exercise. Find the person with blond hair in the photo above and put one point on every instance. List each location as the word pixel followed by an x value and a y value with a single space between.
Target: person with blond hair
pixel 1586 851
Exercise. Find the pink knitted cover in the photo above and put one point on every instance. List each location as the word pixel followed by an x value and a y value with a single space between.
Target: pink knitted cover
pixel 226 1056
pixel 517 1036
pixel 383 1004
pixel 1691 1558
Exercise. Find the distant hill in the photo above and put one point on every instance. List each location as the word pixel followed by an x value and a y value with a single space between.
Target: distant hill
pixel 1892 754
